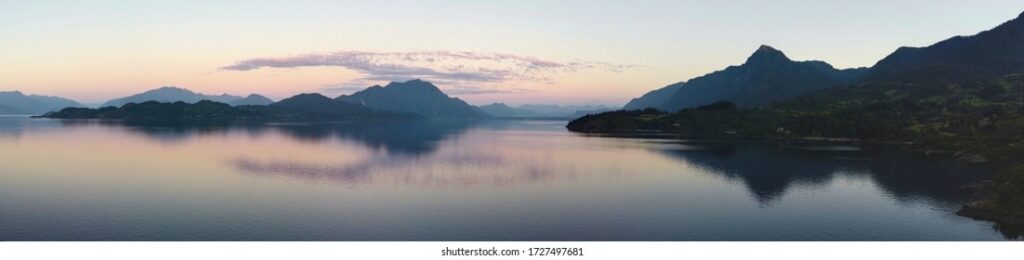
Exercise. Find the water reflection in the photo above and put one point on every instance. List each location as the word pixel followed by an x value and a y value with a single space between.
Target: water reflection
pixel 402 138
pixel 16 126
pixel 408 154
pixel 457 180
pixel 770 170
pixel 407 171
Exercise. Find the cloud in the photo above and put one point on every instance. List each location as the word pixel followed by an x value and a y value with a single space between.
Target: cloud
pixel 462 71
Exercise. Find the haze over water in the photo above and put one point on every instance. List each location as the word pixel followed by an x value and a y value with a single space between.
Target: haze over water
pixel 452 180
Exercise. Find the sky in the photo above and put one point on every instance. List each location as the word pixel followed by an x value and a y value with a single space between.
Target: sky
pixel 516 52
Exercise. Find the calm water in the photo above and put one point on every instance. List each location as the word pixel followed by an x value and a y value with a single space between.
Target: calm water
pixel 496 180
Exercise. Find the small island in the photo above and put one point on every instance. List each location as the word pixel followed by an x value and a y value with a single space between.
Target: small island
pixel 305 107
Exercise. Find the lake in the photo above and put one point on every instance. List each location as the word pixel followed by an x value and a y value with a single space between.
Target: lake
pixel 452 180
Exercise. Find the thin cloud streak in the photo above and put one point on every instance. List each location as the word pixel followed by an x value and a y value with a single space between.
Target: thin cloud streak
pixel 463 72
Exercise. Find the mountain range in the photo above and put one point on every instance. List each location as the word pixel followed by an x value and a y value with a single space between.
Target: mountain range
pixel 17 103
pixel 541 111
pixel 767 76
pixel 398 100
pixel 175 94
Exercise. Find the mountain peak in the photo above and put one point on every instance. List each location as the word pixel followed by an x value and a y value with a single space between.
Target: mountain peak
pixel 252 99
pixel 766 53
pixel 171 88
pixel 304 99
pixel 765 47
pixel 414 97
pixel 417 86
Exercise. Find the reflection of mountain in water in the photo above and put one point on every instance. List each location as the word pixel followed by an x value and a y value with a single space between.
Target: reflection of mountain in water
pixel 440 170
pixel 406 138
pixel 411 157
pixel 769 171
pixel 167 133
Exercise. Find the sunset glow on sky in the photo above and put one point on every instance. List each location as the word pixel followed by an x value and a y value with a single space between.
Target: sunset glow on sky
pixel 564 52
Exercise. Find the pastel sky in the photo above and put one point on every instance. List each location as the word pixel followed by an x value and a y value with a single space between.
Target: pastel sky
pixel 565 52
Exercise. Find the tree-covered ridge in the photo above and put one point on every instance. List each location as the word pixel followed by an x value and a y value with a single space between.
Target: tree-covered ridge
pixel 306 107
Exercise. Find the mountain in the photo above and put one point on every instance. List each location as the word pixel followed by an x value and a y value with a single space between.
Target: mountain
pixel 414 97
pixel 16 103
pixel 251 100
pixel 767 76
pixel 961 59
pixel 562 110
pixel 541 111
pixel 7 110
pixel 170 94
pixel 503 110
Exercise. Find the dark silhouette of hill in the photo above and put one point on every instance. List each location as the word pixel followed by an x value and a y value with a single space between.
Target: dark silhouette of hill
pixel 319 107
pixel 303 107
pixel 961 59
pixel 414 97
pixel 767 76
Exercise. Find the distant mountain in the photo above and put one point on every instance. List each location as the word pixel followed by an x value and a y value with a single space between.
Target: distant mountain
pixel 175 94
pixel 582 113
pixel 503 110
pixel 16 103
pixel 415 97
pixel 654 98
pixel 7 110
pixel 562 110
pixel 767 76
pixel 541 111
pixel 251 100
